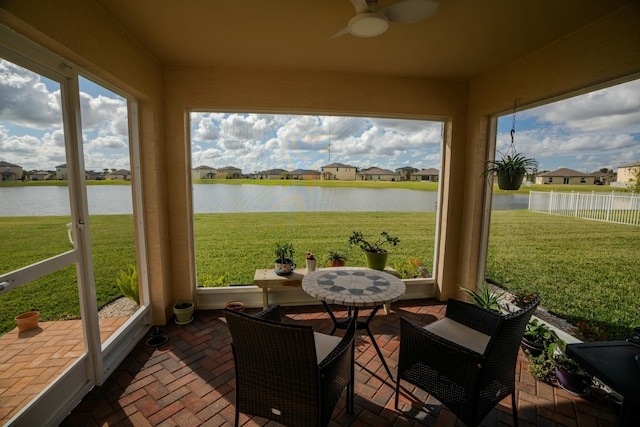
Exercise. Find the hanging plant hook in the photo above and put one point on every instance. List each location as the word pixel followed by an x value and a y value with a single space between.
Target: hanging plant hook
pixel 512 147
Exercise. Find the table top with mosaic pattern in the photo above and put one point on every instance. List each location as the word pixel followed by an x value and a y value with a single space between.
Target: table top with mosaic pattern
pixel 353 286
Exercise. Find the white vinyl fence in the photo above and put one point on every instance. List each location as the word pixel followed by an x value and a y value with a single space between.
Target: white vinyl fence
pixel 621 208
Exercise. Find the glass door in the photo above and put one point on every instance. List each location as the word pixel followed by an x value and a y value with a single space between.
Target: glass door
pixel 47 259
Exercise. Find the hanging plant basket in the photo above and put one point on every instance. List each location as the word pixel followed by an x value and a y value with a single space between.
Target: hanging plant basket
pixel 512 166
pixel 510 182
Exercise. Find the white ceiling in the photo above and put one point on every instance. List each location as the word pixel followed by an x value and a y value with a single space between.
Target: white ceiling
pixel 463 40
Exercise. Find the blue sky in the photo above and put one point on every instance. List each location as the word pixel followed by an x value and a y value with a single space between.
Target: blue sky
pixel 597 130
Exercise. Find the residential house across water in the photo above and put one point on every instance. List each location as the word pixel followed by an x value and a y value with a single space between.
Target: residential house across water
pixel 565 176
pixel 10 172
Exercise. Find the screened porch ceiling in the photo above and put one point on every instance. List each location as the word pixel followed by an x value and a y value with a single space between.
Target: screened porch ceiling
pixel 462 41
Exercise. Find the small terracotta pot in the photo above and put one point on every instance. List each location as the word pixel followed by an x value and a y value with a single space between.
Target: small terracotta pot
pixel 27 321
pixel 235 306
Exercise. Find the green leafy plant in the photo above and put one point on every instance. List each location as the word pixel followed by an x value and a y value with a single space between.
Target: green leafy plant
pixel 357 238
pixel 511 169
pixel 539 333
pixel 410 269
pixel 512 165
pixel 485 298
pixel 206 280
pixel 284 251
pixel 127 281
pixel 335 255
pixel 542 368
pixel 557 352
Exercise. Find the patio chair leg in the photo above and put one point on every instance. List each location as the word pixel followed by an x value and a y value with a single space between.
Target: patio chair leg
pixel 514 409
pixel 397 391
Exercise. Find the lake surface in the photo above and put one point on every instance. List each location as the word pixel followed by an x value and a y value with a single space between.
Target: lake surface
pixel 223 198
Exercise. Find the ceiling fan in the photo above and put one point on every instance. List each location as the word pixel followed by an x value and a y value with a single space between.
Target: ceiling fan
pixel 372 20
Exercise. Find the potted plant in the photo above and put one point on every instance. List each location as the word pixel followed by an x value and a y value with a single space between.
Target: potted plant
pixel 537 336
pixel 184 312
pixel 511 170
pixel 376 254
pixel 569 373
pixel 235 306
pixel 512 167
pixel 336 258
pixel 553 364
pixel 311 262
pixel 485 298
pixel 284 258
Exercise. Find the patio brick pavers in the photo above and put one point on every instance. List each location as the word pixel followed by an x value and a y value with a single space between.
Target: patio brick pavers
pixel 31 359
pixel 189 381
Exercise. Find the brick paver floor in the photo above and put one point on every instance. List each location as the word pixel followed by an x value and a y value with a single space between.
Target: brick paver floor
pixel 189 381
pixel 31 359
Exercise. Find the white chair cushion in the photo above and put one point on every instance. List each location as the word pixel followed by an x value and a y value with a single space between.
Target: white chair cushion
pixel 459 334
pixel 324 344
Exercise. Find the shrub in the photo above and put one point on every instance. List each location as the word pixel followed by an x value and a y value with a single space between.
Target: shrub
pixel 127 281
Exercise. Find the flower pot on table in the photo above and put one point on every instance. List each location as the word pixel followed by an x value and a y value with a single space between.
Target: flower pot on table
pixel 284 268
pixel 377 260
pixel 311 264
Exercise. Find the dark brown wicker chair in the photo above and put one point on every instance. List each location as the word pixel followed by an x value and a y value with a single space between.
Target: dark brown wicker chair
pixel 286 372
pixel 466 360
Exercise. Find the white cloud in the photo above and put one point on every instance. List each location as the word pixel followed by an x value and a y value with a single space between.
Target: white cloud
pixel 26 100
pixel 109 141
pixel 615 108
pixel 597 130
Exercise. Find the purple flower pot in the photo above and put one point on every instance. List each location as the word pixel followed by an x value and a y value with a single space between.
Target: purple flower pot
pixel 575 384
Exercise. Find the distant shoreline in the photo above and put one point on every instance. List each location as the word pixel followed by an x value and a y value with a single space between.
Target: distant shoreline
pixel 409 185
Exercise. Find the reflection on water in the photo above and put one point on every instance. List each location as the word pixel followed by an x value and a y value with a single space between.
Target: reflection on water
pixel 223 198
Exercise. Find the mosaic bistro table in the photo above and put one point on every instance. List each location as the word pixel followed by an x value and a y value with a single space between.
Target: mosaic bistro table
pixel 355 288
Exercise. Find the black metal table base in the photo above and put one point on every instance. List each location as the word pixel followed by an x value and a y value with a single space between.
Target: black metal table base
pixel 343 324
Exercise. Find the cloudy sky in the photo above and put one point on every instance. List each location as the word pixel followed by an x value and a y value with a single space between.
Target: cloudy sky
pixel 586 133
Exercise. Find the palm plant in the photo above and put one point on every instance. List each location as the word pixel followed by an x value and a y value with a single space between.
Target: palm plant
pixel 485 298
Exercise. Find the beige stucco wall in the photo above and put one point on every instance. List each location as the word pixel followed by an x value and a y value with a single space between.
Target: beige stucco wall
pixel 341 173
pixel 627 174
pixel 574 180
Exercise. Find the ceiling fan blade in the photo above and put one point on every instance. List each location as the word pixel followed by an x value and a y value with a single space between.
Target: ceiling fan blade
pixel 340 33
pixel 410 11
pixel 361 6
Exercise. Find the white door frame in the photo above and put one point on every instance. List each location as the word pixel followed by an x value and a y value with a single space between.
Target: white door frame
pixel 52 405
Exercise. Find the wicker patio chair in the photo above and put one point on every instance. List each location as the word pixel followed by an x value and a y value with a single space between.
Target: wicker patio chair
pixel 466 360
pixel 286 372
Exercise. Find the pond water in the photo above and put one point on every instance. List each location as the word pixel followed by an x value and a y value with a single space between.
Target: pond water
pixel 225 198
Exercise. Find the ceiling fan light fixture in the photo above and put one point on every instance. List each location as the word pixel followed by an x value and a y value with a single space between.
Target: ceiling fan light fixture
pixel 368 24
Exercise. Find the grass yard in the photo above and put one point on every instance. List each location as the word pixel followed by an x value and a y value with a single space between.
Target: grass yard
pixel 584 270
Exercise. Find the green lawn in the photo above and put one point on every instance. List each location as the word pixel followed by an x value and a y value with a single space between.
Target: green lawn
pixel 584 270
